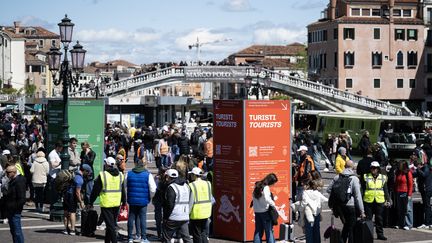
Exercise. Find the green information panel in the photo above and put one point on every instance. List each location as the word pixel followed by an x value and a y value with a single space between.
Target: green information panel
pixel 86 123
pixel 55 123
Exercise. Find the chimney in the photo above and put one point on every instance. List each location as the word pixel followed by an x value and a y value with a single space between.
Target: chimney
pixel 17 26
pixel 332 13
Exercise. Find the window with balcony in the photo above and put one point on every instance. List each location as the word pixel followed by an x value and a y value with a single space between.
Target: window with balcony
pixel 355 12
pixel 376 59
pixel 399 83
pixel 407 13
pixel 412 83
pixel 349 59
pixel 412 59
pixel 377 33
pixel 377 83
pixel 349 83
pixel 399 34
pixel 399 59
pixel 349 33
pixel 412 34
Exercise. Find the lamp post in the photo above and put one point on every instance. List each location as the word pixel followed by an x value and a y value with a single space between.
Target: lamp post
pixel 257 88
pixel 66 79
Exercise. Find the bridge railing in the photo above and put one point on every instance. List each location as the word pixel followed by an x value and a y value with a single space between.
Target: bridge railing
pixel 318 88
pixel 131 82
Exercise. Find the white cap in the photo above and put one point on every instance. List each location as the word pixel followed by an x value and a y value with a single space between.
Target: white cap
pixel 6 152
pixel 173 173
pixel 196 171
pixel 375 164
pixel 110 161
pixel 302 148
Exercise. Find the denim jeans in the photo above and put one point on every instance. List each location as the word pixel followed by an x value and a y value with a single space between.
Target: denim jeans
pixel 409 221
pixel 313 230
pixel 15 228
pixel 263 223
pixel 137 213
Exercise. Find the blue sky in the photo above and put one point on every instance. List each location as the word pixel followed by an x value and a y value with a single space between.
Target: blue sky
pixel 144 31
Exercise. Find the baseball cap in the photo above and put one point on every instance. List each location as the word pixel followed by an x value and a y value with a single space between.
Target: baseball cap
pixel 87 167
pixel 110 161
pixel 375 164
pixel 302 148
pixel 173 173
pixel 6 152
pixel 196 171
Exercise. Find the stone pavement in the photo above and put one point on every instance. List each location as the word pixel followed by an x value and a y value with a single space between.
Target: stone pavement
pixel 37 228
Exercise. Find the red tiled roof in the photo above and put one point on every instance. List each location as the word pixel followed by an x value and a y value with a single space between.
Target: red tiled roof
pixel 123 63
pixel 368 20
pixel 40 32
pixel 276 63
pixel 267 50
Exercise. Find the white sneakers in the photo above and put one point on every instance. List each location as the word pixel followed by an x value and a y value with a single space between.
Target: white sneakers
pixel 326 170
pixel 423 226
pixel 406 228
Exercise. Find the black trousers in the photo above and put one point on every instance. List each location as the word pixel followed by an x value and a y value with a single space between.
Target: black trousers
pixel 402 207
pixel 169 227
pixel 110 217
pixel 376 209
pixel 199 230
pixel 349 215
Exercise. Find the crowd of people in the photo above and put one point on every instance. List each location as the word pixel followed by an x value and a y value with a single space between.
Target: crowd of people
pixel 181 192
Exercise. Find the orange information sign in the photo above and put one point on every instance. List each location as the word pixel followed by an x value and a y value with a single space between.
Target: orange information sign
pixel 251 139
pixel 267 150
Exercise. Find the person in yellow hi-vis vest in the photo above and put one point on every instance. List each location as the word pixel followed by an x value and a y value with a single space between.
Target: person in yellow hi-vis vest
pixel 202 206
pixel 109 186
pixel 375 197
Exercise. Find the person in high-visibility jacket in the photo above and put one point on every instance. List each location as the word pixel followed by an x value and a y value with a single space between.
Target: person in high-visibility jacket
pixel 375 197
pixel 109 186
pixel 202 206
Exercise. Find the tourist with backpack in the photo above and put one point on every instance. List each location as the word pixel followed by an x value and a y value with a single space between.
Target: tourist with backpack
pixel 71 199
pixel 346 200
pixel 376 197
pixel 303 173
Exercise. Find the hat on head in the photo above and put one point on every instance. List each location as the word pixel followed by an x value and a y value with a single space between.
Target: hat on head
pixel 110 161
pixel 341 149
pixel 87 168
pixel 6 152
pixel 375 164
pixel 173 173
pixel 302 148
pixel 196 171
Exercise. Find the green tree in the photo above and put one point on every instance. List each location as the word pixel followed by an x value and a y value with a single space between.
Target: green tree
pixel 302 60
pixel 8 91
pixel 280 97
pixel 29 89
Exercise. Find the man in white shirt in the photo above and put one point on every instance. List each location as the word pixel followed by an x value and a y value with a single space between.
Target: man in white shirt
pixel 54 160
pixel 75 159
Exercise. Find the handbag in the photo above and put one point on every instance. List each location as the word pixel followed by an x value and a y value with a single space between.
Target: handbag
pixel 124 213
pixel 274 215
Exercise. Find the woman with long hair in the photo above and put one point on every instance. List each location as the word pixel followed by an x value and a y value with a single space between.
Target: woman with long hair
pixel 404 190
pixel 262 200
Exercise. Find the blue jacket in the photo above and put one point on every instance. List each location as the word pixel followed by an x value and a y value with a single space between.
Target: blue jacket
pixel 138 193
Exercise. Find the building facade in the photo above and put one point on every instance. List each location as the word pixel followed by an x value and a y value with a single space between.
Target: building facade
pixel 374 48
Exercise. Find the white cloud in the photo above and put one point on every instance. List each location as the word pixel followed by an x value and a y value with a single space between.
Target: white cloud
pixel 278 35
pixel 117 36
pixel 237 6
pixel 309 4
pixel 206 37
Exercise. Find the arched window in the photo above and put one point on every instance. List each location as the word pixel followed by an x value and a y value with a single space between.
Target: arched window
pixel 399 59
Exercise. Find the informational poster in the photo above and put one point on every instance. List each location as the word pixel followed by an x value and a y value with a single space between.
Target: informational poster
pixel 251 140
pixel 267 150
pixel 228 169
pixel 86 121
pixel 55 123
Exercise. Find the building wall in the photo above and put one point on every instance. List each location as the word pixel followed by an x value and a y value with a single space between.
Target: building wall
pixel 18 63
pixel 5 58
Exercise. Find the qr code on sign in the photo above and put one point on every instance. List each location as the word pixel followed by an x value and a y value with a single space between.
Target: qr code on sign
pixel 253 151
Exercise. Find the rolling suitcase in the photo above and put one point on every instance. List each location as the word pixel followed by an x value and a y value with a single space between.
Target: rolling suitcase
pixel 286 232
pixel 363 231
pixel 89 218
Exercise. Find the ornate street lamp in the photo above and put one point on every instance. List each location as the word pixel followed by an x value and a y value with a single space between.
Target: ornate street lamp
pixel 257 88
pixel 66 79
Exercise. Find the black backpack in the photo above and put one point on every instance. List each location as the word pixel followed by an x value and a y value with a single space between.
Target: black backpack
pixel 340 193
